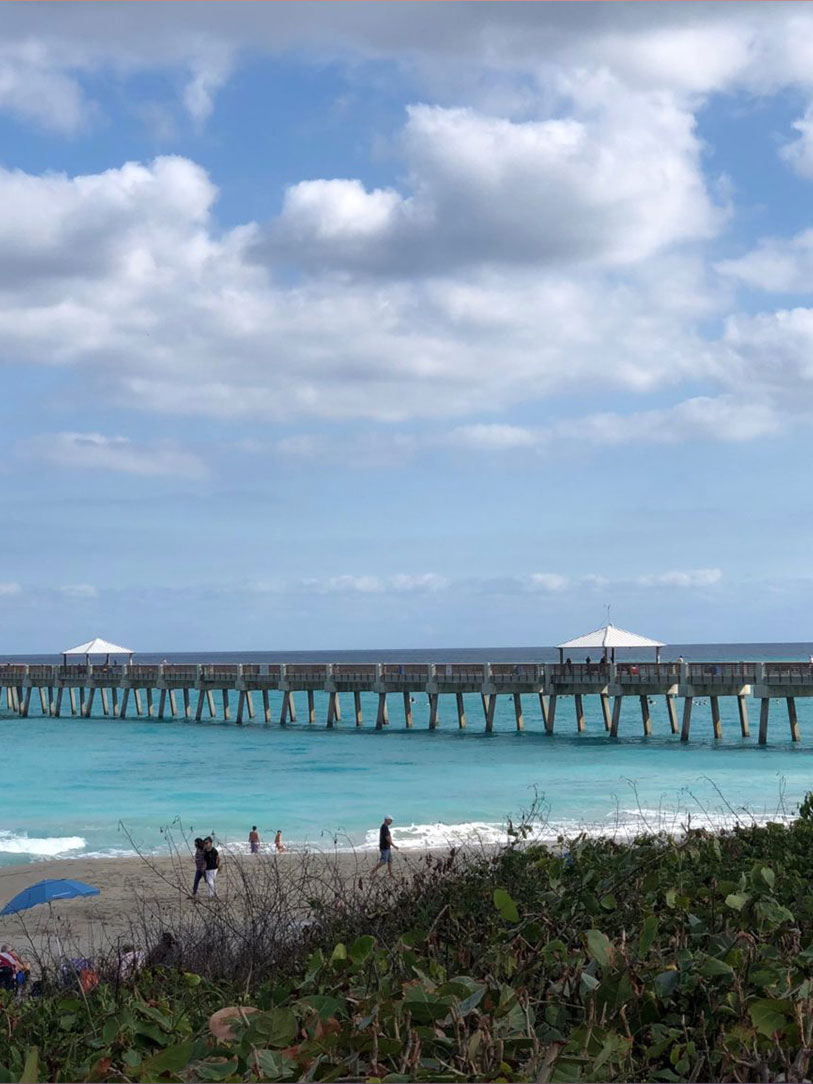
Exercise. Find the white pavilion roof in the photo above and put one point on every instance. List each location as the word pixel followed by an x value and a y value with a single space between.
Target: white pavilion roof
pixel 98 647
pixel 610 636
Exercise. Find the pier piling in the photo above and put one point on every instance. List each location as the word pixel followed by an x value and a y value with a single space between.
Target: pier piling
pixel 715 716
pixel 687 718
pixel 672 713
pixel 792 720
pixel 645 716
pixel 764 708
pixel 579 707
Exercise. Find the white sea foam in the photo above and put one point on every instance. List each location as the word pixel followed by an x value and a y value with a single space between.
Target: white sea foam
pixel 41 847
pixel 620 825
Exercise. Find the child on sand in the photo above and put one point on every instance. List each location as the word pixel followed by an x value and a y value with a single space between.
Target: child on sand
pixel 278 844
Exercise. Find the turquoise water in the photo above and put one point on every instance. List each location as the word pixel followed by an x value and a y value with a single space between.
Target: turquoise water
pixel 79 787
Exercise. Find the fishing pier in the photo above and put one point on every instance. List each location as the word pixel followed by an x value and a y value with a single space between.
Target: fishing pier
pixel 187 691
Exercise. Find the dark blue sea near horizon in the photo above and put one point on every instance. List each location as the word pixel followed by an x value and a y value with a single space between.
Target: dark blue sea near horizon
pixel 102 786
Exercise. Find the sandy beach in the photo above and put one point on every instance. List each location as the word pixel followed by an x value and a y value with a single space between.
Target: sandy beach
pixel 154 891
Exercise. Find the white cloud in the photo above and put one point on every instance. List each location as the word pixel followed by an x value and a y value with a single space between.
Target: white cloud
pixel 399 583
pixel 79 590
pixel 693 577
pixel 771 354
pixel 93 451
pixel 34 88
pixel 799 152
pixel 719 418
pixel 548 581
pixel 495 437
pixel 9 589
pixel 776 264
pixel 614 183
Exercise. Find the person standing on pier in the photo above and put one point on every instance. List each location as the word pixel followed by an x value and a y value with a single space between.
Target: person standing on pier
pixel 254 840
pixel 385 848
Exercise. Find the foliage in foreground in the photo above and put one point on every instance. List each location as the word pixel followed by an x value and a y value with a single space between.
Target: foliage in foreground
pixel 658 960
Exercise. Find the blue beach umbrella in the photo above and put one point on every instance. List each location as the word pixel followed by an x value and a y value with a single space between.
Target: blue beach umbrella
pixel 46 892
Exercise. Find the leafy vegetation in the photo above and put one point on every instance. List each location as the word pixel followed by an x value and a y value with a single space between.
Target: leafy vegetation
pixel 656 960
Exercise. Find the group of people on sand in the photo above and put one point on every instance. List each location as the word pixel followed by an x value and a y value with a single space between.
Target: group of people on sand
pixel 208 861
pixel 207 856
pixel 254 841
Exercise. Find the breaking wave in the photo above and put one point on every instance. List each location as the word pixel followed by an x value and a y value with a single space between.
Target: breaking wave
pixel 40 847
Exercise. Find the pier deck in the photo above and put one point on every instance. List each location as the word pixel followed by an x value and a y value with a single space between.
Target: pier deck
pixel 139 685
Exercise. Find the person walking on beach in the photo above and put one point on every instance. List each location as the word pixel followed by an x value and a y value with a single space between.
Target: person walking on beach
pixel 278 844
pixel 212 859
pixel 254 840
pixel 200 866
pixel 385 846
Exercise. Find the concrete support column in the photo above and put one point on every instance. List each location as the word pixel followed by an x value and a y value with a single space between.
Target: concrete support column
pixel 241 703
pixel 72 693
pixel 518 711
pixel 551 714
pixel 115 693
pixel 292 706
pixel 579 706
pixel 794 722
pixel 137 698
pixel 311 708
pixel 210 703
pixel 616 717
pixel 267 706
pixel 687 718
pixel 357 708
pixel 764 708
pixel 105 701
pixel 226 708
pixel 672 713
pixel 461 712
pixel 250 704
pixel 89 702
pixel 26 702
pixel 742 708
pixel 173 703
pixel 645 716
pixel 605 711
pixel 331 710
pixel 492 707
pixel 543 707
pixel 433 711
pixel 43 701
pixel 150 707
pixel 485 698
pixel 199 711
pixel 283 709
pixel 715 716
pixel 82 700
pixel 381 715
pixel 125 696
pixel 408 710
pixel 58 704
pixel 187 707
pixel 162 703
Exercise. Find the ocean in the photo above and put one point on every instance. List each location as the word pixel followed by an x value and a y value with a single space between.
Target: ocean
pixel 106 787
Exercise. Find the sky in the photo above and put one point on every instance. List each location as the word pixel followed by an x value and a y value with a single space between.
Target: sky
pixel 404 325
